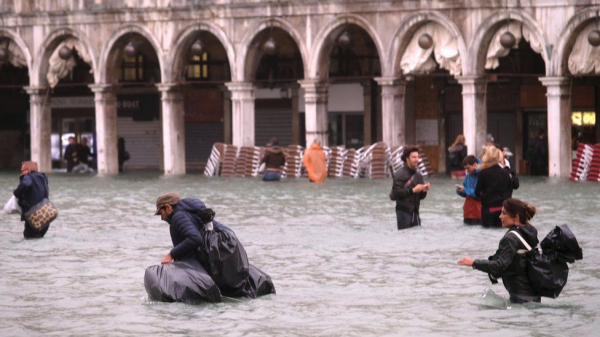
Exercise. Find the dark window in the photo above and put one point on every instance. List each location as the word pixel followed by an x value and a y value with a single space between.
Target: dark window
pixel 198 68
pixel 132 68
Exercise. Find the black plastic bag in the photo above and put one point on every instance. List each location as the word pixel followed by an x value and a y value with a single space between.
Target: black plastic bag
pixel 224 258
pixel 260 283
pixel 548 270
pixel 562 241
pixel 181 281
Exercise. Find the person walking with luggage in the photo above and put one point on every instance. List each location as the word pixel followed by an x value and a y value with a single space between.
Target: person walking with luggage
pixel 32 189
pixel 494 185
pixel 274 160
pixel 408 190
pixel 510 262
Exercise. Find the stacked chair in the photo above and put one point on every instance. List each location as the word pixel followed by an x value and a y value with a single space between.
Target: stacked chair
pixel 336 161
pixel 213 165
pixel 594 173
pixel 229 161
pixel 293 161
pixel 351 162
pixel 582 162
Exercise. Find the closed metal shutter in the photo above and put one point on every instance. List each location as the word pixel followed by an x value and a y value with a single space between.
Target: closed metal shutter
pixel 272 121
pixel 142 141
pixel 199 139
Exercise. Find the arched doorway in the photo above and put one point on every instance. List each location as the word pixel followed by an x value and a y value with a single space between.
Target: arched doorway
pixel 133 70
pixel 202 68
pixel 274 66
pixel 14 105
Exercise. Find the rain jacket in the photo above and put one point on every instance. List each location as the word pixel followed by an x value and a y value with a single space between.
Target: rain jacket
pixel 184 231
pixel 32 189
pixel 404 181
pixel 274 158
pixel 316 163
pixel 511 266
pixel 469 185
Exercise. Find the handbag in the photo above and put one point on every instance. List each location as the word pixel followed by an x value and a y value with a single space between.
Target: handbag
pixel 12 206
pixel 41 215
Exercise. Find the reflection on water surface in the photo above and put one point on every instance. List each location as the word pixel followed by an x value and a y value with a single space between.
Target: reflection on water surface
pixel 339 265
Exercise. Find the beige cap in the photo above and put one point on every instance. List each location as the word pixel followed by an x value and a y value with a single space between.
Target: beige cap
pixel 170 198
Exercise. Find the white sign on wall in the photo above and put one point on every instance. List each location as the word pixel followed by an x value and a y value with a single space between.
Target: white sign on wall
pixel 427 132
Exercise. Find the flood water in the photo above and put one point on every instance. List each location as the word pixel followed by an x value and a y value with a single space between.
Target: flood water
pixel 338 263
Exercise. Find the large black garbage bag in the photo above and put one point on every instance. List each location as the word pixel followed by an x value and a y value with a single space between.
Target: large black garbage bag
pixel 181 281
pixel 548 270
pixel 562 241
pixel 260 283
pixel 224 258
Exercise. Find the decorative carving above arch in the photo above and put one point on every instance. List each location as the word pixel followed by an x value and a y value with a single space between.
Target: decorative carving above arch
pixel 496 50
pixel 59 68
pixel 15 54
pixel 444 51
pixel 584 58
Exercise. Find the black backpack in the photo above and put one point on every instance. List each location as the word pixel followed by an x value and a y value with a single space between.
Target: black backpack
pixel 548 270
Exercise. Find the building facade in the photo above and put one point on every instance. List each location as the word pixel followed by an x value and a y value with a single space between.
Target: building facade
pixel 173 77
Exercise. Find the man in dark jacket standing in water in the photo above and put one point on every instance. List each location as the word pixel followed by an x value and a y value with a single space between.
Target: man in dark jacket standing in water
pixel 184 232
pixel 408 190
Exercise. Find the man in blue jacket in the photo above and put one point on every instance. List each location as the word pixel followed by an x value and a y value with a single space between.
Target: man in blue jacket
pixel 181 218
pixel 472 206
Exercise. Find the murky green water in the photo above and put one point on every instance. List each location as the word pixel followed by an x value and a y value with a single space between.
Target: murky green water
pixel 332 250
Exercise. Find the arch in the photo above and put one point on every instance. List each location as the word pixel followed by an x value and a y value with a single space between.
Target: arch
pixel 255 30
pixel 40 63
pixel 569 33
pixel 16 38
pixel 324 42
pixel 115 36
pixel 411 24
pixel 477 52
pixel 173 65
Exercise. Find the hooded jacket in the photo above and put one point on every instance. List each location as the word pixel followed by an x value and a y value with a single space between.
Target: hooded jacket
pixel 32 189
pixel 511 266
pixel 315 161
pixel 404 181
pixel 274 158
pixel 185 234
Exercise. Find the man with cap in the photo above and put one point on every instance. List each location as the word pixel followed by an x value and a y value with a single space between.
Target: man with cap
pixel 181 215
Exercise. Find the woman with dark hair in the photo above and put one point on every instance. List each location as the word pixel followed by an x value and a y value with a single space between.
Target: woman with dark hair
pixel 509 262
pixel 274 160
pixel 494 185
pixel 32 189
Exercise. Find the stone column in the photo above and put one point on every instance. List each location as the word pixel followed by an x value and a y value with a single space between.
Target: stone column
pixel 315 110
pixel 40 127
pixel 242 113
pixel 226 115
pixel 173 128
pixel 559 125
pixel 106 128
pixel 474 112
pixel 393 112
pixel 367 138
pixel 294 87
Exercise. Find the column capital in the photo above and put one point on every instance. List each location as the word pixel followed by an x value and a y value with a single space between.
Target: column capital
pixel 555 81
pixel 313 83
pixel 166 87
pixel 390 81
pixel 100 88
pixel 471 80
pixel 36 90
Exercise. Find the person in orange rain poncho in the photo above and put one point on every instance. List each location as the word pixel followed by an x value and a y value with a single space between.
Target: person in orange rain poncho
pixel 315 162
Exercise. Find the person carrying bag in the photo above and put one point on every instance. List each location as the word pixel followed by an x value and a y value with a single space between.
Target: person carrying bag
pixel 32 195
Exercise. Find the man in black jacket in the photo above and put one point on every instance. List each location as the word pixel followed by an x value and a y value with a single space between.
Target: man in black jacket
pixel 408 190
pixel 185 235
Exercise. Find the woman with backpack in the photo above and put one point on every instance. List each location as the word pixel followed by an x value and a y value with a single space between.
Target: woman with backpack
pixel 510 262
